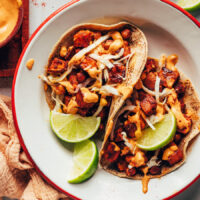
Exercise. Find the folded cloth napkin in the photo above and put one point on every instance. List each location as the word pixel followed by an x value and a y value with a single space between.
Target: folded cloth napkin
pixel 18 179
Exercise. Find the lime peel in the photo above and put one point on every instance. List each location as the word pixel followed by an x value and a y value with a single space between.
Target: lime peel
pixel 165 130
pixel 189 5
pixel 73 128
pixel 84 166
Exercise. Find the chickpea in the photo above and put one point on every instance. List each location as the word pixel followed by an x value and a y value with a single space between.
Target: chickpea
pixel 63 51
pixel 30 64
pixel 81 77
pixel 117 43
pixel 126 34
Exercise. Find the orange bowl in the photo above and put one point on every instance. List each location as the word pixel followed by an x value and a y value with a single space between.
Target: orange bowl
pixel 16 28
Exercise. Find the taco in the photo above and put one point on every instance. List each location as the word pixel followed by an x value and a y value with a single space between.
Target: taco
pixel 160 90
pixel 89 64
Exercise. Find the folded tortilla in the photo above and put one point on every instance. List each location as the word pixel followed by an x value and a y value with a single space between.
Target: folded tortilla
pixel 193 106
pixel 136 63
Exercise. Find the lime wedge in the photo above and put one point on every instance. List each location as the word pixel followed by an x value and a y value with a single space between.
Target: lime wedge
pixel 189 5
pixel 73 128
pixel 155 139
pixel 85 159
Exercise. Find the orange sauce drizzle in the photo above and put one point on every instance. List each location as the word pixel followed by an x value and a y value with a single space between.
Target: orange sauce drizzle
pixel 145 180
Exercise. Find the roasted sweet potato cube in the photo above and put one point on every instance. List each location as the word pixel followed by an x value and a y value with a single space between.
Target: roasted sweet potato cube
pixel 122 165
pixel 148 105
pixel 70 53
pixel 67 100
pixel 168 77
pixel 81 103
pixel 130 129
pixel 179 88
pixel 126 34
pixel 112 152
pixel 150 65
pixel 150 81
pixel 128 158
pixel 175 157
pixel 81 77
pixel 88 62
pixel 73 79
pixel 83 38
pixel 57 66
pixel 177 138
pixel 155 170
pixel 117 73
pixel 59 89
pixel 96 35
pixel 131 171
pixel 127 49
pixel 118 134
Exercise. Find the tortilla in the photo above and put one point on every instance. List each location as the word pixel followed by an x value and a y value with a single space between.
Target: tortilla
pixel 136 64
pixel 193 106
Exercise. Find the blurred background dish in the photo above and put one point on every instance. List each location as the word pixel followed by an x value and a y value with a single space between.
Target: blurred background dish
pixel 11 15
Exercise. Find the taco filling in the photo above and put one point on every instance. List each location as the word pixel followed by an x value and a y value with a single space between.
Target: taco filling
pixel 97 70
pixel 159 91
pixel 83 77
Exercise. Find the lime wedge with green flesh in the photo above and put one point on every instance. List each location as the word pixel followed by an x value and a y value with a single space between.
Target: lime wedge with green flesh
pixel 85 160
pixel 155 139
pixel 73 128
pixel 189 5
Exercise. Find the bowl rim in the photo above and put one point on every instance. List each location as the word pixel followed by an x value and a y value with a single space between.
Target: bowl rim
pixel 72 2
pixel 16 27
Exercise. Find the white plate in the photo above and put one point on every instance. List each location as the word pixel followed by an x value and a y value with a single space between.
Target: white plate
pixel 167 30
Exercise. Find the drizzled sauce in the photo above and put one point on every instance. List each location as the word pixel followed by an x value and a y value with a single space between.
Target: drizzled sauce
pixel 29 64
pixel 145 180
pixel 9 13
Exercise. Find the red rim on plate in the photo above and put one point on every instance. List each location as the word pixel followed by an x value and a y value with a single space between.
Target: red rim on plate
pixel 193 19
